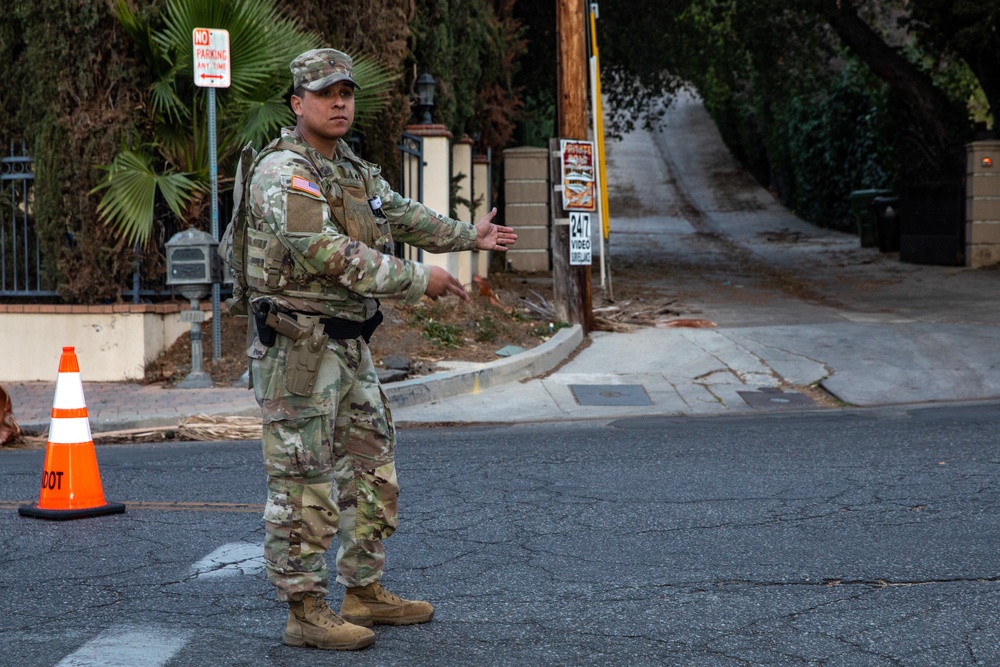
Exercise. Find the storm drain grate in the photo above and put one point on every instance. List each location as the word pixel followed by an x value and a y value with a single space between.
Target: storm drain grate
pixel 775 398
pixel 610 394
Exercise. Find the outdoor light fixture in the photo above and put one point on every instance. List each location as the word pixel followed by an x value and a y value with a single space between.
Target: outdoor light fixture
pixel 425 96
pixel 987 162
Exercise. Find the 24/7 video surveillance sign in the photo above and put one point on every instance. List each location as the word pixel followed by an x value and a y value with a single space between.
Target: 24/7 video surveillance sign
pixel 579 239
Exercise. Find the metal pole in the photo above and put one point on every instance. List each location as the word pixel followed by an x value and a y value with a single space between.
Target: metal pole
pixel 598 110
pixel 213 171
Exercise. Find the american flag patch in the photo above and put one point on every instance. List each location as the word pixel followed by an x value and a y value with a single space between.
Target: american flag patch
pixel 299 183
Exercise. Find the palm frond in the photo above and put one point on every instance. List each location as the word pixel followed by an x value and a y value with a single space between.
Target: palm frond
pixel 257 121
pixel 376 82
pixel 130 188
pixel 262 44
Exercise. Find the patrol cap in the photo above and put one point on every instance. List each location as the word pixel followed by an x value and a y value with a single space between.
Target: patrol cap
pixel 316 69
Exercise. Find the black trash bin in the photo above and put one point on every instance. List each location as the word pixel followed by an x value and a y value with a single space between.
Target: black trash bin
pixel 861 205
pixel 886 209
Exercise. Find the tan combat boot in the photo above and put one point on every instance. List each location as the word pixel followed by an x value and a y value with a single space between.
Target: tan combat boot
pixel 373 605
pixel 311 622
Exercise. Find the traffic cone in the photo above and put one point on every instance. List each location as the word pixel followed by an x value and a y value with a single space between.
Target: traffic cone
pixel 71 482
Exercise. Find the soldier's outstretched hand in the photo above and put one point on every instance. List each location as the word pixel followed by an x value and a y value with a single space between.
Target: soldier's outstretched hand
pixel 490 236
pixel 441 283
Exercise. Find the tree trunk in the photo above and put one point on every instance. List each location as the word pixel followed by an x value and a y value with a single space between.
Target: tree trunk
pixel 930 106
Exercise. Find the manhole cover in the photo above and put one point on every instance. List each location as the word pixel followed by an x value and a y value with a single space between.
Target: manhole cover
pixel 610 394
pixel 775 398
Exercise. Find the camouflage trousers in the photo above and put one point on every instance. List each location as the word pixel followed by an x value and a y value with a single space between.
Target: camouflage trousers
pixel 330 470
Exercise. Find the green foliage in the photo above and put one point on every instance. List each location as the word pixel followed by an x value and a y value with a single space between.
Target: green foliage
pixel 132 186
pixel 547 329
pixel 471 49
pixel 801 91
pixel 174 163
pixel 446 335
pixel 70 93
pixel 486 329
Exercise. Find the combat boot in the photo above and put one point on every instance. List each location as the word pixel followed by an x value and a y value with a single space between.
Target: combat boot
pixel 373 605
pixel 311 622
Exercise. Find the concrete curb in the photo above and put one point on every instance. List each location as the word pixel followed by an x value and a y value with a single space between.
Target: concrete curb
pixel 528 364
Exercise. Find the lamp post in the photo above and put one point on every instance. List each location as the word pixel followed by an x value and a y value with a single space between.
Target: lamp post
pixel 425 96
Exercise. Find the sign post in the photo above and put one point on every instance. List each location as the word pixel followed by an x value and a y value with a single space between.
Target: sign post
pixel 213 69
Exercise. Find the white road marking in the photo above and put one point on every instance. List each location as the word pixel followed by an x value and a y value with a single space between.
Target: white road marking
pixel 146 646
pixel 231 560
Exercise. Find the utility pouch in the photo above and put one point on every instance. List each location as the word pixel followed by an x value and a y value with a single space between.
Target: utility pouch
pixel 302 365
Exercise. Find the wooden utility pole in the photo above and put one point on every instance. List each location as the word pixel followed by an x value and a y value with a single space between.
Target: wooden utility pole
pixel 571 284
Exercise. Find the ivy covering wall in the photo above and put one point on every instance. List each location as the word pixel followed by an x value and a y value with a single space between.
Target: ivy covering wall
pixel 78 94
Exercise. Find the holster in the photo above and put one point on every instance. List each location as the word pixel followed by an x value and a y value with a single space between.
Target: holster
pixel 306 354
pixel 302 364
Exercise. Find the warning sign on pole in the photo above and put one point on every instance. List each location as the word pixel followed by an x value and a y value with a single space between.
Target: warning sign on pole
pixel 212 66
pixel 578 177
pixel 579 239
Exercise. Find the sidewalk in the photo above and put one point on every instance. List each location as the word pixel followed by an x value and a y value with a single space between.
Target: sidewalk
pixel 871 330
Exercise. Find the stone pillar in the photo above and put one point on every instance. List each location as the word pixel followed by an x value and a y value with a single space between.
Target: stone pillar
pixel 461 172
pixel 437 186
pixel 526 207
pixel 982 204
pixel 482 200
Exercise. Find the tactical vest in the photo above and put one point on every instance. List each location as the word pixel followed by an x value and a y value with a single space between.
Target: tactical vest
pixel 263 264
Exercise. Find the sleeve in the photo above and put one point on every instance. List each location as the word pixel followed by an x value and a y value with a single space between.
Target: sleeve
pixel 420 226
pixel 291 203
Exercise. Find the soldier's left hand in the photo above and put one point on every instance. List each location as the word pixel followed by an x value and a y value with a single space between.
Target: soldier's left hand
pixel 490 236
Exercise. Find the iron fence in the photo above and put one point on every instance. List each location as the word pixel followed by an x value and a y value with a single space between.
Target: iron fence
pixel 411 177
pixel 21 258
pixel 21 271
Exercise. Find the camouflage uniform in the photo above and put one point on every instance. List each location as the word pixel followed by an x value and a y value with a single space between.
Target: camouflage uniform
pixel 315 248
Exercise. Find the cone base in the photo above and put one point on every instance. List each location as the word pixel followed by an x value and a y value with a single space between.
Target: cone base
pixel 61 515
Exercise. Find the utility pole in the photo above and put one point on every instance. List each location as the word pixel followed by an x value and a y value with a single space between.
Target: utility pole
pixel 571 284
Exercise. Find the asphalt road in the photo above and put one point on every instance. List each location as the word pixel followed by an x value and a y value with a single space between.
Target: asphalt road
pixel 819 538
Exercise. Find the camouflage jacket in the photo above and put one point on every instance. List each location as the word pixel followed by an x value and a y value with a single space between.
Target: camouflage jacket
pixel 315 244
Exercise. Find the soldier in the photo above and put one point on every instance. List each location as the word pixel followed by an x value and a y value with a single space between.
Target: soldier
pixel 316 252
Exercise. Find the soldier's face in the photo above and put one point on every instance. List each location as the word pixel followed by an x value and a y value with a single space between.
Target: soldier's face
pixel 328 113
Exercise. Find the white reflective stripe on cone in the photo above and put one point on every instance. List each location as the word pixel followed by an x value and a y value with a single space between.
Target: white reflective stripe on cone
pixel 69 431
pixel 69 391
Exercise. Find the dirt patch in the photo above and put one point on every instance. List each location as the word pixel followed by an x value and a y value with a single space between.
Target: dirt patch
pixel 503 311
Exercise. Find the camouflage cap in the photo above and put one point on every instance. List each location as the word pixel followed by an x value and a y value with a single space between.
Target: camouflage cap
pixel 315 70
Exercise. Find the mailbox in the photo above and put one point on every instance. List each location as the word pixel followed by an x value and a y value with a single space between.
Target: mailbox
pixel 192 258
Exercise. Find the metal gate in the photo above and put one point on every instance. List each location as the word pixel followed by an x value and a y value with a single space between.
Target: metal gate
pixel 411 183
pixel 20 249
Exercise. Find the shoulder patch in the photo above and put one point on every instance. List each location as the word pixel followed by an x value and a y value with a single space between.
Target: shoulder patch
pixel 303 215
pixel 305 185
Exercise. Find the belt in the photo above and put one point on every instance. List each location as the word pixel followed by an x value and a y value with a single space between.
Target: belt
pixel 340 329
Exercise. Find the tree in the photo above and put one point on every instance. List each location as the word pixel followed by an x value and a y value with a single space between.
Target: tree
pixel 771 71
pixel 173 162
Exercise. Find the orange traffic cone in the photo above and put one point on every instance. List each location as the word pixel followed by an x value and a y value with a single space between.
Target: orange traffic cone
pixel 71 482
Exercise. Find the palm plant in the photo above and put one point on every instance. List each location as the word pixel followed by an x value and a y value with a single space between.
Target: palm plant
pixel 174 165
